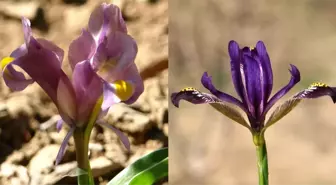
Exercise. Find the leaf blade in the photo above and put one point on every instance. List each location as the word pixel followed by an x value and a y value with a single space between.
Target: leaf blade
pixel 144 168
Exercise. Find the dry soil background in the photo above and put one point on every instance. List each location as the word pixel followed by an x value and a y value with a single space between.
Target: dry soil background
pixel 207 148
pixel 28 138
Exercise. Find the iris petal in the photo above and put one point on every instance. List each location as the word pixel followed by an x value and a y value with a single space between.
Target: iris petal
pixel 294 80
pixel 52 47
pixel 104 20
pixel 81 49
pixel 43 66
pixel 267 69
pixel 66 98
pixel 114 61
pixel 59 125
pixel 123 138
pixel 64 144
pixel 207 83
pixel 253 80
pixel 27 33
pixel 316 90
pixel 110 97
pixel 88 87
pixel 15 80
pixel 235 56
pixel 196 97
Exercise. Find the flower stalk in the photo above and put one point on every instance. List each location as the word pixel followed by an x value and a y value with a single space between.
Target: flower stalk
pixel 262 160
pixel 82 137
pixel 82 157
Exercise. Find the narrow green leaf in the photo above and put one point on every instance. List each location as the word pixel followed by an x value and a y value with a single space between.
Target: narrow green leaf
pixel 152 174
pixel 146 170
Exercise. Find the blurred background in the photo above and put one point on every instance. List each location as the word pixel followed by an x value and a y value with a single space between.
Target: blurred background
pixel 29 141
pixel 208 148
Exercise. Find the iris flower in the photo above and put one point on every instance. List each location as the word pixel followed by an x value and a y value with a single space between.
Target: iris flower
pixel 103 72
pixel 252 78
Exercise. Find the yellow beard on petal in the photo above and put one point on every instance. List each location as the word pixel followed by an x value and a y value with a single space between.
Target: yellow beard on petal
pixel 4 62
pixel 124 90
pixel 318 84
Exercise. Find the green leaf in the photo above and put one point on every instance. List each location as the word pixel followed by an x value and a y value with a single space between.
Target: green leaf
pixel 145 171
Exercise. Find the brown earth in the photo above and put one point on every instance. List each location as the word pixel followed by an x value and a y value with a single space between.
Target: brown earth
pixel 208 148
pixel 29 141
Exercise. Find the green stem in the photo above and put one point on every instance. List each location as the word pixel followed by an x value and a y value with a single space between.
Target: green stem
pixel 82 137
pixel 262 160
pixel 83 162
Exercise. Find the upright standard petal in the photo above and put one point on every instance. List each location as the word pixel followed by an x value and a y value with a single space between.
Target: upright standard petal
pixel 83 48
pixel 104 20
pixel 267 69
pixel 114 55
pixel 116 21
pixel 294 80
pixel 235 55
pixel 27 33
pixel 253 78
pixel 88 87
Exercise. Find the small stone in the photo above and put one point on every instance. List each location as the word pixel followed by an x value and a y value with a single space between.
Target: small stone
pixel 115 152
pixel 42 162
pixel 101 166
pixel 19 9
pixel 135 123
pixel 16 174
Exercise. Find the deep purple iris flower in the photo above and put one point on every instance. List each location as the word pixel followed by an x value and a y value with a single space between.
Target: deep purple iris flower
pixel 252 78
pixel 103 70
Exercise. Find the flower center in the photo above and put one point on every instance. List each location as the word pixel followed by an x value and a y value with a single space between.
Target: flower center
pixel 106 67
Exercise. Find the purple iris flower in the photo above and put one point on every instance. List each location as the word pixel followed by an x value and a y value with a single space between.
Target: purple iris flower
pixel 252 78
pixel 103 71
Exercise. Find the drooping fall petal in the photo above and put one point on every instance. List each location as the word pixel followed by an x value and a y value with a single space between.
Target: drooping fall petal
pixel 43 66
pixel 196 97
pixel 315 90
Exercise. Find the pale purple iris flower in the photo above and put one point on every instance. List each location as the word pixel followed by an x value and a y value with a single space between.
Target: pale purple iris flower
pixel 252 78
pixel 102 62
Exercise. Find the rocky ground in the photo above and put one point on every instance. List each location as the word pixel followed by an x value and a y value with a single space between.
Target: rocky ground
pixel 29 141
